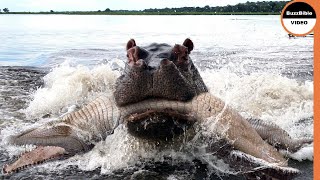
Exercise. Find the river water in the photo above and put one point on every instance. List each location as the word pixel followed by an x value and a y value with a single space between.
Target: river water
pixel 51 63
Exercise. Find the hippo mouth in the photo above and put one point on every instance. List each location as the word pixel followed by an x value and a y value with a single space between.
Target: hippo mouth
pixel 159 118
pixel 162 124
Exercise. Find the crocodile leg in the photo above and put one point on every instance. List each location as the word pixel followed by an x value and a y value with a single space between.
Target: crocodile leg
pixel 276 136
pixel 61 136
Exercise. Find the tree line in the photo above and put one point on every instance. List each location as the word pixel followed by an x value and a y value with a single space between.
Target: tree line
pixel 5 10
pixel 260 6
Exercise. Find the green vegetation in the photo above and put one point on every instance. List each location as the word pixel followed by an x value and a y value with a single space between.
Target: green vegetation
pixel 5 10
pixel 147 13
pixel 248 8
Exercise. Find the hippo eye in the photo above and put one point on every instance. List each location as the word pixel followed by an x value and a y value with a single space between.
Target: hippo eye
pixel 127 56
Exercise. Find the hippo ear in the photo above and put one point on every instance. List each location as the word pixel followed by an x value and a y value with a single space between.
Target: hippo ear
pixel 131 43
pixel 189 44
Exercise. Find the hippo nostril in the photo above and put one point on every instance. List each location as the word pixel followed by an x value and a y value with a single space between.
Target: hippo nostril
pixel 137 63
pixel 141 63
pixel 165 62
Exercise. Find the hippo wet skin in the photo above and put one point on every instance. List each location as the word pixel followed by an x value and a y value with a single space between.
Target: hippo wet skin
pixel 159 93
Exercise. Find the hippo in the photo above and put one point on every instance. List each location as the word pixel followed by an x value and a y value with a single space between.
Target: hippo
pixel 159 95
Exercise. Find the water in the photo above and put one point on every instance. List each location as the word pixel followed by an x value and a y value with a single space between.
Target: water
pixel 49 63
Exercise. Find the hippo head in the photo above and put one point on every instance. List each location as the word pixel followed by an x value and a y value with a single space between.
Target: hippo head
pixel 158 71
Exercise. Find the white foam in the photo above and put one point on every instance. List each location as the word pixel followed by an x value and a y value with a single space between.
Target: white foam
pixel 259 93
pixel 305 153
pixel 66 85
pixel 172 177
pixel 120 150
pixel 268 96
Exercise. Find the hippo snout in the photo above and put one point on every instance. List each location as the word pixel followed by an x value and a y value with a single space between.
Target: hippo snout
pixel 158 71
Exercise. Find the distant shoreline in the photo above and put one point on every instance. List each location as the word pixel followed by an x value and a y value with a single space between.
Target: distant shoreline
pixel 248 8
pixel 144 13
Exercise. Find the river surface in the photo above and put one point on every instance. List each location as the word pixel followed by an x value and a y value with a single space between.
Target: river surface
pixel 51 63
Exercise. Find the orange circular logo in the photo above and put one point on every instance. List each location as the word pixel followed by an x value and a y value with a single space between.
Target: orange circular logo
pixel 298 18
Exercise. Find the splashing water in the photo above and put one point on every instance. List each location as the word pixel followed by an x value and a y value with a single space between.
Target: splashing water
pixel 65 86
pixel 268 96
